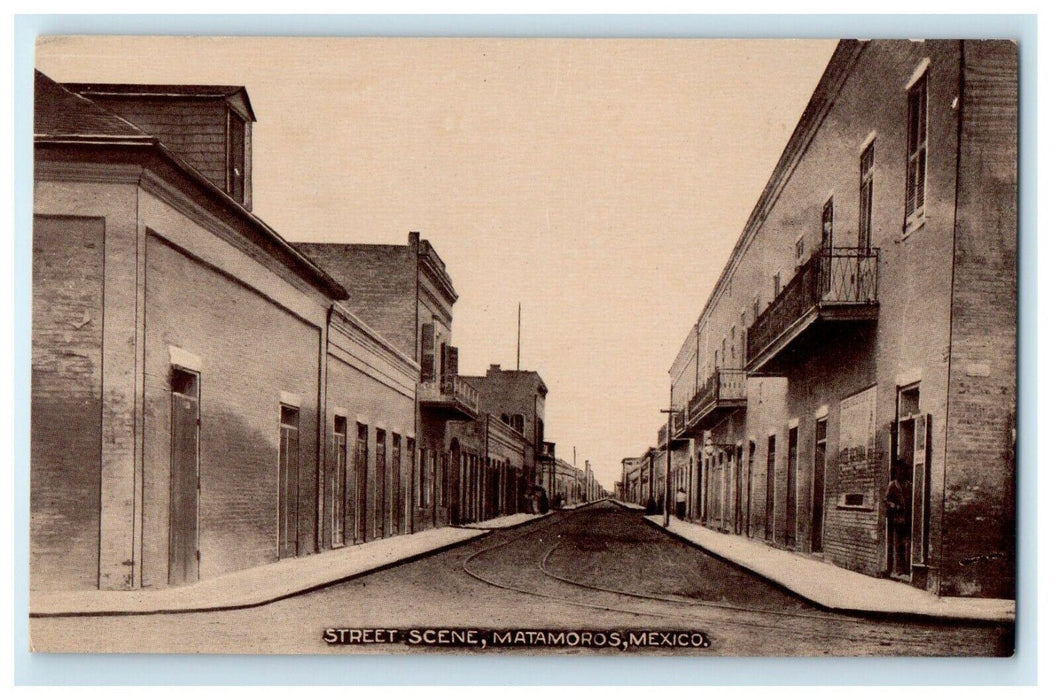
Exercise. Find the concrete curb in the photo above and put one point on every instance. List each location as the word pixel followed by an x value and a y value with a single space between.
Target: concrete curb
pixel 268 598
pixel 849 610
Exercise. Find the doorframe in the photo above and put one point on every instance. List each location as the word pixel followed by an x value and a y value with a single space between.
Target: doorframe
pixel 293 402
pixel 822 416
pixel 183 367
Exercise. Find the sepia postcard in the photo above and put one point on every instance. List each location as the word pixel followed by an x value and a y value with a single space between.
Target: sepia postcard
pixel 524 346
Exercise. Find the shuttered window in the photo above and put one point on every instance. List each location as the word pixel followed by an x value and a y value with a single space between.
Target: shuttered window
pixel 867 194
pixel 915 182
pixel 426 353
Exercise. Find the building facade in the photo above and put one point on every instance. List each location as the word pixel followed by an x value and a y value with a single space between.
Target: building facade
pixel 855 361
pixel 405 293
pixel 517 397
pixel 199 390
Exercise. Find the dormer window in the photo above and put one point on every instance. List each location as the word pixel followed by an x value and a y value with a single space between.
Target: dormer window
pixel 236 157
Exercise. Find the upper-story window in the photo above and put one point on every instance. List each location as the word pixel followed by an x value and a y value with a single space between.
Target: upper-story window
pixel 799 248
pixel 236 157
pixel 915 182
pixel 518 422
pixel 867 195
pixel 776 286
pixel 827 224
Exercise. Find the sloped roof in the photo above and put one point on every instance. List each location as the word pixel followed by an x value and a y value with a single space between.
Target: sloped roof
pixel 64 118
pixel 59 112
pixel 235 93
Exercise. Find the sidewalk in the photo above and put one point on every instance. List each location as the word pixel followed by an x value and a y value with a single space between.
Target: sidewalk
pixel 256 586
pixel 833 587
pixel 504 521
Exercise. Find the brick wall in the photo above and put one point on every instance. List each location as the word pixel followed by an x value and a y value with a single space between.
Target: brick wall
pixel 251 349
pixel 977 545
pixel 381 282
pixel 66 388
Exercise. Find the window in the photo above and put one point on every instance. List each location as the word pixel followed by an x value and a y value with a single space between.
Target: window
pixel 776 286
pixel 908 401
pixel 518 422
pixel 724 351
pixel 236 153
pixel 867 194
pixel 756 309
pixel 827 224
pixel 426 353
pixel 733 346
pixel 799 248
pixel 915 180
pixel 827 231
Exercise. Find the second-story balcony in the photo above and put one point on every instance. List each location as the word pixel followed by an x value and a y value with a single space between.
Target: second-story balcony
pixel 451 397
pixel 679 422
pixel 834 286
pixel 724 391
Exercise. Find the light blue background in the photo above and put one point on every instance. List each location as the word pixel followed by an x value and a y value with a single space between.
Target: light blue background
pixel 487 670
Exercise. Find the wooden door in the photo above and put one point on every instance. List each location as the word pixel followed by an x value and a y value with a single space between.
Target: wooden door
pixel 921 490
pixel 770 488
pixel 184 479
pixel 816 536
pixel 338 483
pixel 288 481
pixel 791 511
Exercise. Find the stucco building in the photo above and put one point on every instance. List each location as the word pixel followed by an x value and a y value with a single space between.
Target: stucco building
pixel 202 398
pixel 865 325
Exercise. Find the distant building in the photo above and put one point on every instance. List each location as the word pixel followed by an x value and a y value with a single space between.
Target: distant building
pixel 864 326
pixel 517 397
pixel 404 292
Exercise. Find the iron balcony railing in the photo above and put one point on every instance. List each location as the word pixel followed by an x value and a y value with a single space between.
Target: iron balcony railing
pixel 455 388
pixel 724 386
pixel 831 277
pixel 679 422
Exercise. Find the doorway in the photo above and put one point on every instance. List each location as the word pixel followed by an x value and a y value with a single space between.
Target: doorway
pixel 816 536
pixel 184 479
pixel 288 481
pixel 770 488
pixel 338 483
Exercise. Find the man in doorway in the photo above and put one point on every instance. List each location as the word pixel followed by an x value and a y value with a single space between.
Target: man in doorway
pixel 899 518
pixel 682 502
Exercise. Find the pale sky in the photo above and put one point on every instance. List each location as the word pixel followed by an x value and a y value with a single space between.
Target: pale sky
pixel 601 183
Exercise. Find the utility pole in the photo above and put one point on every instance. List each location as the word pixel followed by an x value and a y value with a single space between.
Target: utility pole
pixel 518 340
pixel 669 457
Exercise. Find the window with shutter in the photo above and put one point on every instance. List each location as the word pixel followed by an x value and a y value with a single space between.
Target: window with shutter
pixel 867 195
pixel 426 353
pixel 915 182
pixel 452 360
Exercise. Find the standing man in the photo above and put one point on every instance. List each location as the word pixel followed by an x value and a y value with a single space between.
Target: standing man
pixel 682 502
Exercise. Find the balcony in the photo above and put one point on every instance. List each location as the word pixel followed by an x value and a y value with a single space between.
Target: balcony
pixel 679 422
pixel 724 391
pixel 451 398
pixel 834 286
